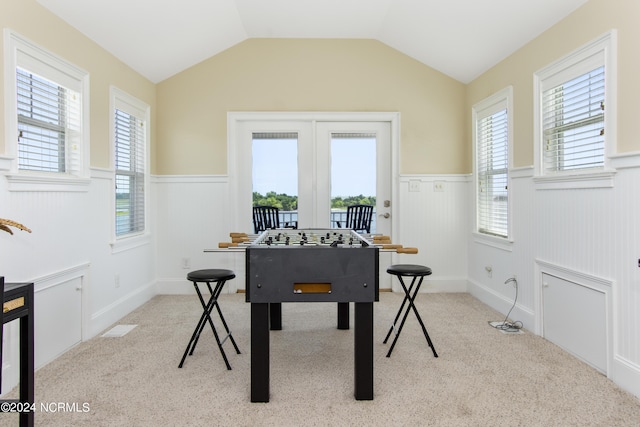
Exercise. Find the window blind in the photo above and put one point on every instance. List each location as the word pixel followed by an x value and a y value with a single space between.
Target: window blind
pixel 45 112
pixel 492 170
pixel 130 140
pixel 275 135
pixel 573 123
pixel 360 135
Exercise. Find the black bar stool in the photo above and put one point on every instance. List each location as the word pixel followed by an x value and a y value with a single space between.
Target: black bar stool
pixel 219 277
pixel 415 272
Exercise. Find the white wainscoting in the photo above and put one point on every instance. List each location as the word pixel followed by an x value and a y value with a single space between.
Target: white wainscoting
pixel 434 217
pixel 60 304
pixel 58 323
pixel 192 216
pixel 576 313
pixel 490 265
pixel 69 248
pixel 592 232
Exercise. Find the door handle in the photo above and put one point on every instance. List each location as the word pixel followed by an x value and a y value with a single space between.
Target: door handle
pixel 385 215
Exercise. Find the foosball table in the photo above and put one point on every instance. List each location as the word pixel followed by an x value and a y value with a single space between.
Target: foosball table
pixel 312 265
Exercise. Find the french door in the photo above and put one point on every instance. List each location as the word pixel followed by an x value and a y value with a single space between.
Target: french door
pixel 353 159
pixel 318 156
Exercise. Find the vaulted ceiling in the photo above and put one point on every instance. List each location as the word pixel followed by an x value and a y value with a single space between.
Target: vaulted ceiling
pixel 460 38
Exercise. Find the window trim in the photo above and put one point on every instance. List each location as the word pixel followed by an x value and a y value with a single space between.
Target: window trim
pixel 123 101
pixel 16 46
pixel 604 50
pixel 503 97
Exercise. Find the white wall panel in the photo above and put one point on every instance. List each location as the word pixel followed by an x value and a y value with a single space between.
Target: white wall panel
pixel 591 232
pixel 509 259
pixel 192 215
pixel 56 329
pixel 626 263
pixel 576 229
pixel 434 217
pixel 72 229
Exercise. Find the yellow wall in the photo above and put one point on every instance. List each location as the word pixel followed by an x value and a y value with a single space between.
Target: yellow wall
pixel 587 23
pixel 309 75
pixel 37 24
pixel 188 133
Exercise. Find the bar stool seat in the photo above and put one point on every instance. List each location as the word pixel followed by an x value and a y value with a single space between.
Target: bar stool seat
pixel 415 272
pixel 209 276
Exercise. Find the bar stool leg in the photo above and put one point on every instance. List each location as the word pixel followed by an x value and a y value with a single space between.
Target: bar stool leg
pixel 213 302
pixel 194 338
pixel 415 310
pixel 203 318
pixel 404 301
pixel 217 291
pixel 424 329
pixel 206 317
pixel 410 298
pixel 406 313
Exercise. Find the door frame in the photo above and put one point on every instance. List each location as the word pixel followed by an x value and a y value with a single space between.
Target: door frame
pixel 236 156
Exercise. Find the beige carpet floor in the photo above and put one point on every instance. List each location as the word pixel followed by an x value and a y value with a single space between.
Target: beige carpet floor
pixel 482 377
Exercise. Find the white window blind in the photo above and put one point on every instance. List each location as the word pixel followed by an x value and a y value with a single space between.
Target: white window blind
pixel 492 161
pixel 573 123
pixel 49 123
pixel 358 135
pixel 130 143
pixel 274 135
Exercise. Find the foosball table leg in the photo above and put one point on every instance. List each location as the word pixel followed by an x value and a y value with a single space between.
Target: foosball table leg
pixel 259 352
pixel 275 316
pixel 343 315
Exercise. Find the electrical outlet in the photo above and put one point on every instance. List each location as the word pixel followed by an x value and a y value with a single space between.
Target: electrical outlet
pixel 116 280
pixel 489 270
pixel 414 185
pixel 438 186
pixel 186 263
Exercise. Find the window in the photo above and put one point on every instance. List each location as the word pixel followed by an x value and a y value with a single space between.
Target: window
pixel 574 124
pixel 492 130
pixel 46 115
pixel 130 136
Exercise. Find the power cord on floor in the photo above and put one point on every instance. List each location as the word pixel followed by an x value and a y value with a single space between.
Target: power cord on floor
pixel 506 325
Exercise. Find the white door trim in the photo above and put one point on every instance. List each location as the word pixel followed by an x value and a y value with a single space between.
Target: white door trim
pixel 235 156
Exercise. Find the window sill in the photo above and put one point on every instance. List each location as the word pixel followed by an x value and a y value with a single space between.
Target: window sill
pixel 603 179
pixel 127 243
pixel 28 182
pixel 495 242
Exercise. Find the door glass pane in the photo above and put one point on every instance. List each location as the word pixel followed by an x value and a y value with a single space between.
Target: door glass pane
pixel 353 174
pixel 275 173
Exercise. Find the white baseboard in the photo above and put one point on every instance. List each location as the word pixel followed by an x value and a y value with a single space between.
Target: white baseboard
pixel 503 305
pixel 110 314
pixel 626 374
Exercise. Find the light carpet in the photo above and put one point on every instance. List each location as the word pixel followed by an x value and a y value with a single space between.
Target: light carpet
pixel 482 377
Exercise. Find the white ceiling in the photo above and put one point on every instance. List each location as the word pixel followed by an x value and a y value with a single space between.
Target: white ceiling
pixel 460 38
